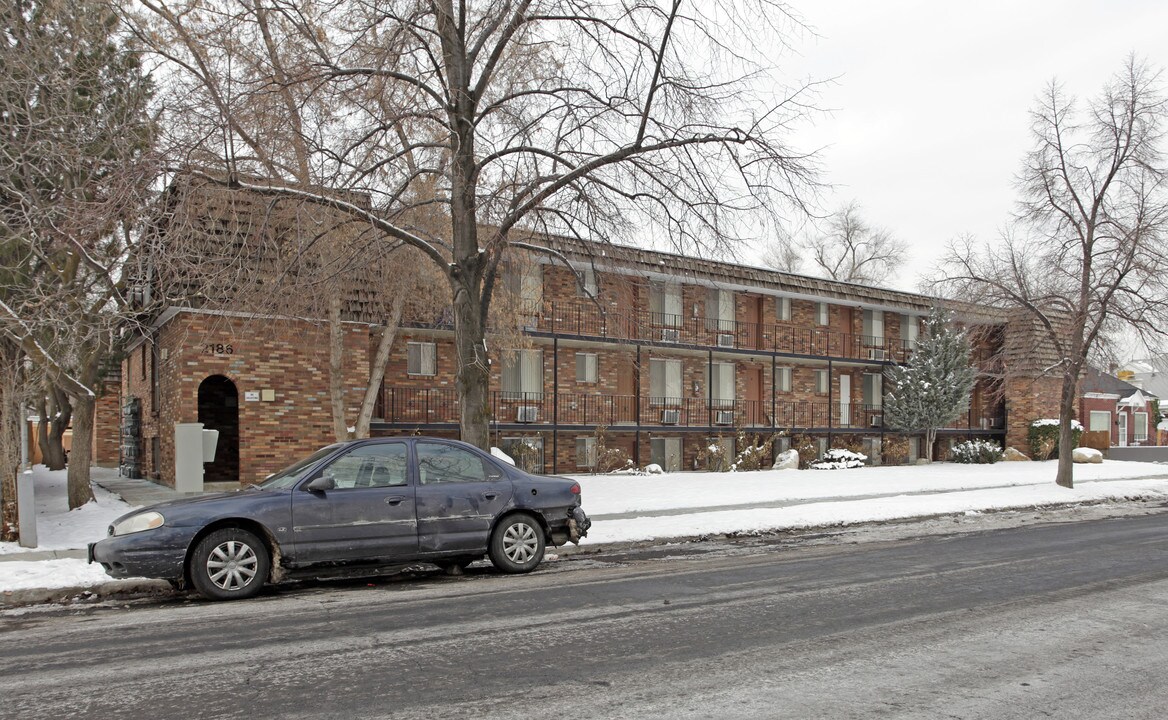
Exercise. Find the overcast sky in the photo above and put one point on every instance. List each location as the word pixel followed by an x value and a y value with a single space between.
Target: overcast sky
pixel 930 107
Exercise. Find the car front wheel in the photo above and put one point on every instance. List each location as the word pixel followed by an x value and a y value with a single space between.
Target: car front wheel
pixel 229 564
pixel 517 544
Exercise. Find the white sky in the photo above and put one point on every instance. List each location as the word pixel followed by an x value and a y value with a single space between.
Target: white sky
pixel 930 107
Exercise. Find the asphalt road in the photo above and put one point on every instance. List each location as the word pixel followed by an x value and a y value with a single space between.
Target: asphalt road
pixel 1067 620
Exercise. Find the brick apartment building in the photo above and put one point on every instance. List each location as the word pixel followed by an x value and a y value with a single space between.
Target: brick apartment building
pixel 667 353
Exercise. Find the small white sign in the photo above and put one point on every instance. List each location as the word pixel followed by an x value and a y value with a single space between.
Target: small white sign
pixel 251 396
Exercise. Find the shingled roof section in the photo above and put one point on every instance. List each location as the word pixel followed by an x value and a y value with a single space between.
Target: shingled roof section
pixel 1096 381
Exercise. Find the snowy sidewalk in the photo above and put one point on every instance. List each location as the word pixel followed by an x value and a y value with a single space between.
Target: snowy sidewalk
pixel 628 508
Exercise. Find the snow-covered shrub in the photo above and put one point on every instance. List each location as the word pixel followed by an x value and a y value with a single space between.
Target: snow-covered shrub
pixel 839 459
pixel 713 457
pixel 752 454
pixel 807 448
pixel 976 452
pixel 1043 437
pixel 611 459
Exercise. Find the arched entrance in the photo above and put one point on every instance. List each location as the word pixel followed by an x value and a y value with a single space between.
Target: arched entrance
pixel 219 410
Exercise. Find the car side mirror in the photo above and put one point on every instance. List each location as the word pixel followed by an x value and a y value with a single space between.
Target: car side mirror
pixel 322 483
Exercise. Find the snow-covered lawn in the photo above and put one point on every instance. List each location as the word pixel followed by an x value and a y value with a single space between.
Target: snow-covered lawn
pixel 685 504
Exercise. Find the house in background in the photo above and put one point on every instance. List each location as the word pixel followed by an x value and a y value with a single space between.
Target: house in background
pixel 1126 413
pixel 1151 376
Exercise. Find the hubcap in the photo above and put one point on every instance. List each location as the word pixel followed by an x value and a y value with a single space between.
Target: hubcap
pixel 232 565
pixel 520 543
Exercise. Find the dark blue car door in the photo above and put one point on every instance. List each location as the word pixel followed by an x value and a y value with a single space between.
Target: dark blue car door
pixel 459 495
pixel 368 514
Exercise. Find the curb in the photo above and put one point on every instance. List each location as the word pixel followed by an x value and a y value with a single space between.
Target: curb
pixel 121 589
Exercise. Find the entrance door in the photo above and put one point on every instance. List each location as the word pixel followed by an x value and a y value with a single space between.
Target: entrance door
pixel 219 410
pixel 1121 419
pixel 755 408
pixel 845 400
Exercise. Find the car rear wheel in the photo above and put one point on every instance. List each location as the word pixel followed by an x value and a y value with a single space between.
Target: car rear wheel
pixel 229 564
pixel 517 544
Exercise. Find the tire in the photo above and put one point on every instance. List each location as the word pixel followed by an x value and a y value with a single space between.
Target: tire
pixel 517 544
pixel 229 564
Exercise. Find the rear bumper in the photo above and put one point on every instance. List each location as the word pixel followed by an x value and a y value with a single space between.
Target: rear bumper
pixel 158 553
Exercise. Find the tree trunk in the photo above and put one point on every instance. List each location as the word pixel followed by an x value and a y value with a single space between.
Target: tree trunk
pixel 12 424
pixel 82 452
pixel 337 368
pixel 473 372
pixel 1065 475
pixel 377 368
pixel 930 441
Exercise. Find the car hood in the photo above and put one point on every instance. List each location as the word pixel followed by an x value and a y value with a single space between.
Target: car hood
pixel 200 504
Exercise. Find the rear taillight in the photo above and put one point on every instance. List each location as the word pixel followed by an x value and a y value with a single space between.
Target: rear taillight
pixel 575 489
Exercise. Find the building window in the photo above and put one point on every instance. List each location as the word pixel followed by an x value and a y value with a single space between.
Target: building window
pixel 914 449
pixel 783 309
pixel 720 311
pixel 783 379
pixel 821 446
pixel 664 382
pixel 873 390
pixel 1141 429
pixel 874 327
pixel 665 304
pixel 587 286
pixel 523 375
pixel 586 367
pixel 666 452
pixel 1100 421
pixel 586 452
pixel 722 384
pixel 821 313
pixel 421 359
pixel 909 331
pixel 821 382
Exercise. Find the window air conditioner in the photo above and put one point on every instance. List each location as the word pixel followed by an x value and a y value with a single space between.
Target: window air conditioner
pixel 528 414
pixel 725 340
pixel 995 422
pixel 876 354
pixel 670 417
pixel 724 417
pixel 876 421
pixel 670 335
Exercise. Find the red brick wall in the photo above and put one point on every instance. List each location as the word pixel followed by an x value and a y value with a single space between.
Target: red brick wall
pixel 107 416
pixel 1027 400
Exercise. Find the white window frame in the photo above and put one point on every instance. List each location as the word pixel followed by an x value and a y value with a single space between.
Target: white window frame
pixel 822 314
pixel 783 379
pixel 1106 415
pixel 722 384
pixel 416 359
pixel 822 381
pixel 588 288
pixel 783 309
pixel 1138 418
pixel 590 364
pixel 664 381
pixel 530 375
pixel 666 452
pixel 665 304
pixel 874 327
pixel 910 330
pixel 872 390
pixel 586 451
pixel 720 310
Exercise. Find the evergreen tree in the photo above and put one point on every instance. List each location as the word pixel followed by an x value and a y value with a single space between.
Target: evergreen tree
pixel 934 390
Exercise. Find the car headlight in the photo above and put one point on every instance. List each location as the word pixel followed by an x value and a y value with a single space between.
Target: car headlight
pixel 137 523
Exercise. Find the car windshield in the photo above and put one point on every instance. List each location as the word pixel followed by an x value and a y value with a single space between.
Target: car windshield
pixel 290 475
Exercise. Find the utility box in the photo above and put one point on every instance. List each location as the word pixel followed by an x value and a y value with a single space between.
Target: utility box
pixel 193 446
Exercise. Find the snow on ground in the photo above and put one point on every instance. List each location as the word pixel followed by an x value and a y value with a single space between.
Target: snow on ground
pixel 686 504
pixel 58 528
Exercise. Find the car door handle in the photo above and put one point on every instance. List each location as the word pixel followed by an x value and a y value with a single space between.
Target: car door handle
pixel 394 500
pixel 489 495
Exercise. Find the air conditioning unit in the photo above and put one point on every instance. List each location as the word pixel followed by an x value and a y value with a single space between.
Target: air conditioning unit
pixel 876 421
pixel 995 422
pixel 725 340
pixel 876 354
pixel 670 335
pixel 724 417
pixel 670 417
pixel 527 414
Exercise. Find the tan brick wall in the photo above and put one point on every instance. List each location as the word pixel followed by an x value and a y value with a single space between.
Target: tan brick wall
pixel 1028 399
pixel 107 412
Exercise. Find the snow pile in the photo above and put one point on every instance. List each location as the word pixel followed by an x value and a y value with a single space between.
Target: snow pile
pixel 58 527
pixel 839 459
pixel 1044 422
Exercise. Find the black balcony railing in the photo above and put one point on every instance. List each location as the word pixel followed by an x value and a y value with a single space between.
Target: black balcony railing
pixel 421 406
pixel 582 319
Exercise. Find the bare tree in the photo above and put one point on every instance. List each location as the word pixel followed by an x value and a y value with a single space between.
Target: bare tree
pixel 1086 254
pixel 74 170
pixel 509 120
pixel 849 249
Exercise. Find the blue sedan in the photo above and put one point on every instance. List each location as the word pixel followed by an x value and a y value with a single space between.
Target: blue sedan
pixel 372 503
